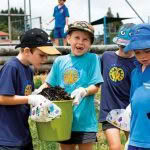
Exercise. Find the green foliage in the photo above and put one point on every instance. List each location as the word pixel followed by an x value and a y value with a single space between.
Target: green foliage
pixel 17 22
pixel 37 82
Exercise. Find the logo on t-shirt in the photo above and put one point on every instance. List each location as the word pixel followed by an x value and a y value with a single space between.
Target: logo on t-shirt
pixel 71 75
pixel 116 74
pixel 61 10
pixel 28 90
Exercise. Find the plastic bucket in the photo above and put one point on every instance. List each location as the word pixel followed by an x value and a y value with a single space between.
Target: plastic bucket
pixel 58 129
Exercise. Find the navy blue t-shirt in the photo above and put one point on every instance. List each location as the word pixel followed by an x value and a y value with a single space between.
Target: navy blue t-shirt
pixel 60 15
pixel 115 90
pixel 15 79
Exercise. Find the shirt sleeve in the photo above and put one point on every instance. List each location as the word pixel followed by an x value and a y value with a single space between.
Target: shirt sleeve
pixel 52 76
pixel 8 77
pixel 95 72
pixel 67 12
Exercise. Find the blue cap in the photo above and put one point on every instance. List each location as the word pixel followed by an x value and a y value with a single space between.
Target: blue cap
pixel 124 35
pixel 140 39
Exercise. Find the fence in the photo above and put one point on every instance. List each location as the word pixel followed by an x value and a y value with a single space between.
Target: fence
pixel 8 51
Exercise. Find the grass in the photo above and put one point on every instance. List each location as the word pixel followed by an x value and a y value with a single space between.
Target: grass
pixel 43 145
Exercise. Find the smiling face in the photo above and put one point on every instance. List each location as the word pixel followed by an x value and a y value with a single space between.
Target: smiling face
pixel 143 56
pixel 80 42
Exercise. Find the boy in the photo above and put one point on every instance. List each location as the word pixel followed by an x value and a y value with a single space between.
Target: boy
pixel 79 73
pixel 60 15
pixel 16 85
pixel 116 70
pixel 140 89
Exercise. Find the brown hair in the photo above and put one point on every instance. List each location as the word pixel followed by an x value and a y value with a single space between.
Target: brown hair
pixel 31 50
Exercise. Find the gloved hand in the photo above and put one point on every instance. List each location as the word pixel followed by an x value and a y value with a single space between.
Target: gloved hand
pixel 37 91
pixel 54 111
pixel 128 110
pixel 35 100
pixel 41 113
pixel 78 95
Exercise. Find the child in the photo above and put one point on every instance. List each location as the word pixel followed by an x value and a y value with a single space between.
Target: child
pixel 140 89
pixel 79 73
pixel 116 70
pixel 16 85
pixel 60 15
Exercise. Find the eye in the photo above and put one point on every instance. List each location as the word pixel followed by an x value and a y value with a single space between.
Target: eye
pixel 130 33
pixel 122 33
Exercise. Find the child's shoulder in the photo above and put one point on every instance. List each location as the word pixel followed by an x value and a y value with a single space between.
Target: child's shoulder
pixel 62 58
pixel 109 53
pixel 91 55
pixel 12 62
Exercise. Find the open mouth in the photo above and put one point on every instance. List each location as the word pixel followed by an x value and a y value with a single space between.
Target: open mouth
pixel 80 48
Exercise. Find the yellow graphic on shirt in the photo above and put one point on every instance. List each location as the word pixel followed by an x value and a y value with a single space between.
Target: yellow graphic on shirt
pixel 28 90
pixel 70 76
pixel 116 74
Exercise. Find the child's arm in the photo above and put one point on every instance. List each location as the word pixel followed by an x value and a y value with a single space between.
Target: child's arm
pixel 92 89
pixel 16 100
pixel 52 19
pixel 13 100
pixel 67 21
pixel 80 93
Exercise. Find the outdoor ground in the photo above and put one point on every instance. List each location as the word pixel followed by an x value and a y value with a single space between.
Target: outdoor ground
pixel 42 145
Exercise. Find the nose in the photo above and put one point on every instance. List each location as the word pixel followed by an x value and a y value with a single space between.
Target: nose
pixel 80 41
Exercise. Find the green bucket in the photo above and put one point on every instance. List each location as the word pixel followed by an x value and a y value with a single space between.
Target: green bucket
pixel 58 129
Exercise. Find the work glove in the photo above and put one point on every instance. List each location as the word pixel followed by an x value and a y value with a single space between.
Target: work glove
pixel 120 118
pixel 128 110
pixel 78 95
pixel 35 100
pixel 43 110
pixel 41 113
pixel 37 91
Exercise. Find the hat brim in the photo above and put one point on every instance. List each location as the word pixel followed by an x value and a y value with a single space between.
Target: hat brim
pixel 120 41
pixel 50 50
pixel 137 45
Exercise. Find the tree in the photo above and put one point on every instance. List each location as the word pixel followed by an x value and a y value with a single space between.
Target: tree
pixel 17 22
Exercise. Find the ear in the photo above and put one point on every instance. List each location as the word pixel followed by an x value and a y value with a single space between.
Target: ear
pixel 27 50
pixel 68 39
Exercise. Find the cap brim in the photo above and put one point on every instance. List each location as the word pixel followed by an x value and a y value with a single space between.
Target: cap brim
pixel 137 45
pixel 49 50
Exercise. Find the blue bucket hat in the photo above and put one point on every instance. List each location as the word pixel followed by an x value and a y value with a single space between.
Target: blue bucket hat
pixel 124 35
pixel 140 39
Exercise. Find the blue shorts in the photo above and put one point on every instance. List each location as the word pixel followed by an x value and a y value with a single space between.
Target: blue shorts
pixel 130 147
pixel 81 138
pixel 59 33
pixel 27 147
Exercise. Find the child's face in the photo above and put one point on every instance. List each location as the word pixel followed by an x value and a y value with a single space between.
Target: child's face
pixel 143 56
pixel 37 58
pixel 61 2
pixel 80 42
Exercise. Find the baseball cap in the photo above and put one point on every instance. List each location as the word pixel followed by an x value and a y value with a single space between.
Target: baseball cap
pixel 82 26
pixel 140 39
pixel 37 38
pixel 124 34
